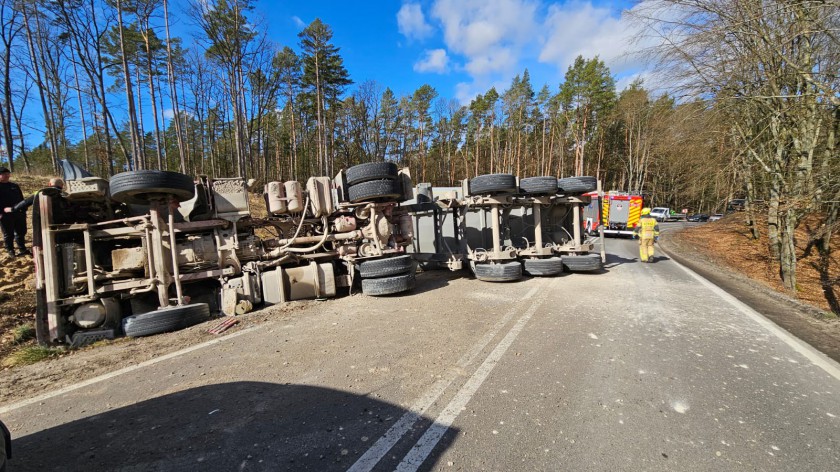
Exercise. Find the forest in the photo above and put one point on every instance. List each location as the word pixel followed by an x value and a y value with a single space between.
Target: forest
pixel 750 109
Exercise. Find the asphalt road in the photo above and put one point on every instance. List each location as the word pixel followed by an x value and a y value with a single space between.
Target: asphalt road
pixel 641 367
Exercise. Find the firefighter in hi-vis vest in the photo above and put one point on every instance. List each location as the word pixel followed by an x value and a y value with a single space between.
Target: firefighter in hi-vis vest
pixel 647 230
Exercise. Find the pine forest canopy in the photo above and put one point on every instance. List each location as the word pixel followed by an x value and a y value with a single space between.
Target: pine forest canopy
pixel 113 89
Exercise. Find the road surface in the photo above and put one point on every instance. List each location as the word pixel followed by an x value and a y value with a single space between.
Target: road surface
pixel 641 367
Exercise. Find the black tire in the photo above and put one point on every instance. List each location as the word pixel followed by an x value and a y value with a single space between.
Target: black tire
pixel 577 185
pixel 371 171
pixel 545 185
pixel 6 444
pixel 583 263
pixel 167 319
pixel 141 186
pixel 490 184
pixel 386 267
pixel 547 267
pixel 498 272
pixel 388 285
pixel 376 190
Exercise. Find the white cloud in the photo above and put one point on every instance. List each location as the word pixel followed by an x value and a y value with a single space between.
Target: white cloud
pixel 168 113
pixel 434 60
pixel 578 28
pixel 412 23
pixel 490 34
pixel 493 40
pixel 298 22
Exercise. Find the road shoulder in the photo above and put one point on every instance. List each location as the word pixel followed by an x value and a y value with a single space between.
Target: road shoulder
pixel 799 319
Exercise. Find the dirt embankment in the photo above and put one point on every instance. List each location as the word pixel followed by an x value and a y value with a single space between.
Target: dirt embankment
pixel 728 243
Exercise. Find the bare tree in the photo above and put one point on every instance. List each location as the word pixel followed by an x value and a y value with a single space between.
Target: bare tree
pixel 10 27
pixel 775 63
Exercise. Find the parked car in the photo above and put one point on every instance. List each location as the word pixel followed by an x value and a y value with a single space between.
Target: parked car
pixel 737 204
pixel 665 214
pixel 716 217
pixel 698 217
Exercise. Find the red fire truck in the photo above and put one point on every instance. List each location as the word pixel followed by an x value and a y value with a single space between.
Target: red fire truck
pixel 620 212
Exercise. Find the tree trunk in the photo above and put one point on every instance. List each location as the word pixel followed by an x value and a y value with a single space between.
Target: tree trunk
pixel 174 91
pixel 129 95
pixel 81 109
pixel 40 84
pixel 153 98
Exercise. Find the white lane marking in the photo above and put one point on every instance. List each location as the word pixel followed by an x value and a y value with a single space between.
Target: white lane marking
pixel 418 454
pixel 817 358
pixel 70 388
pixel 377 451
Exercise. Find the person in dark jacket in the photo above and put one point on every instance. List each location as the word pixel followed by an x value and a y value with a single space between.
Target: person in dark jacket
pixel 13 223
pixel 54 189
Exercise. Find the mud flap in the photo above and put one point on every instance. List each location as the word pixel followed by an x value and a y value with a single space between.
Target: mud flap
pixel 42 331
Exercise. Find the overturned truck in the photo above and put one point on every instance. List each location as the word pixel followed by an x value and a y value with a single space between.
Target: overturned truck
pixel 155 251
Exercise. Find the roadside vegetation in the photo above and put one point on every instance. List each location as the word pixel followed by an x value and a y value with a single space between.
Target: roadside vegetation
pixel 751 109
pixel 30 355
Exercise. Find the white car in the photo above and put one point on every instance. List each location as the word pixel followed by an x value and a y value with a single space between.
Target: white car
pixel 716 217
pixel 660 214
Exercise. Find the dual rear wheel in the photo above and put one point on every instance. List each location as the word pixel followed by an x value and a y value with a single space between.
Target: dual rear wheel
pixel 387 276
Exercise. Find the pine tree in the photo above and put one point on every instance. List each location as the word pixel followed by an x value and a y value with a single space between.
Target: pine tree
pixel 324 78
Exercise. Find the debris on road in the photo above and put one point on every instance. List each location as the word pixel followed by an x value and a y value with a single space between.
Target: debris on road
pixel 225 325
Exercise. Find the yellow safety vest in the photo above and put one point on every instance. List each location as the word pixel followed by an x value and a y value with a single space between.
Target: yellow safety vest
pixel 647 228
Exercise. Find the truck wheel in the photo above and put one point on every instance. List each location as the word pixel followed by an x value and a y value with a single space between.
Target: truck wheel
pixel 386 267
pixel 371 171
pixel 5 446
pixel 166 319
pixel 388 190
pixel 577 185
pixel 582 263
pixel 388 285
pixel 550 266
pixel 545 185
pixel 141 186
pixel 490 184
pixel 498 272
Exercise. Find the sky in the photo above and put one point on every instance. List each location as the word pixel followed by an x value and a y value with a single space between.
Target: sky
pixel 462 47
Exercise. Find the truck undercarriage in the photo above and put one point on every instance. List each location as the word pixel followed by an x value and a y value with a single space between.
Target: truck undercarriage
pixel 154 251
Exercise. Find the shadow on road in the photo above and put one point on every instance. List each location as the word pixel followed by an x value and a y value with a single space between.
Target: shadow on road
pixel 660 258
pixel 231 426
pixel 614 260
pixel 433 279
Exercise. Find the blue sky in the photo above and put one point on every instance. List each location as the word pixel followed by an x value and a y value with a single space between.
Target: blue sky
pixel 461 47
